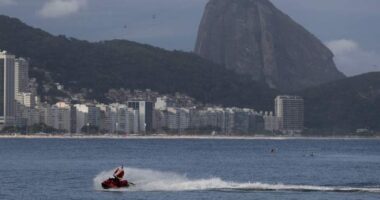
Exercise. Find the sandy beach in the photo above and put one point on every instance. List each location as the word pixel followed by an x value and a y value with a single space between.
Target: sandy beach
pixel 168 137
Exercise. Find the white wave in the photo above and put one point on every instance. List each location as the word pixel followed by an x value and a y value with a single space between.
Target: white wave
pixel 150 180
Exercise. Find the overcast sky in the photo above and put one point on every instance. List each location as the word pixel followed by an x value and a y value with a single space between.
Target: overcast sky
pixel 350 28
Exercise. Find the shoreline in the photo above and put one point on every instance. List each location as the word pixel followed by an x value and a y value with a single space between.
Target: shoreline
pixel 185 137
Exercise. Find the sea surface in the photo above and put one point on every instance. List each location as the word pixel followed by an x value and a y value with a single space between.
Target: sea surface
pixel 175 169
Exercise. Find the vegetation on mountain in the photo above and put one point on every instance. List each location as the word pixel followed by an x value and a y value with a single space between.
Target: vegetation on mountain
pixel 100 66
pixel 344 106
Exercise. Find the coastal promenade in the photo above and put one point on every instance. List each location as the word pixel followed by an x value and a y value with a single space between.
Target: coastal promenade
pixel 190 137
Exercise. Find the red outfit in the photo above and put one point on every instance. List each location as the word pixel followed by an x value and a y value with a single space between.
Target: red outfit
pixel 119 173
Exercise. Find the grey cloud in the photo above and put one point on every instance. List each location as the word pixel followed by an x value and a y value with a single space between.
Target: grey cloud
pixel 7 2
pixel 61 8
pixel 352 59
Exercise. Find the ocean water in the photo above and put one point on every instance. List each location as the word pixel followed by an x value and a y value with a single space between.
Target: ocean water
pixel 191 169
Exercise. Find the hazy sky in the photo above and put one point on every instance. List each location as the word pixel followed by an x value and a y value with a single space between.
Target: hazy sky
pixel 351 28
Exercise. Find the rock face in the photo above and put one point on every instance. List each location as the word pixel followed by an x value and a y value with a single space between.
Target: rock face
pixel 253 37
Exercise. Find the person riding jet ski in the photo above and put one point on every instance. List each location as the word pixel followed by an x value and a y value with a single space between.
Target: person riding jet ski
pixel 119 174
pixel 117 180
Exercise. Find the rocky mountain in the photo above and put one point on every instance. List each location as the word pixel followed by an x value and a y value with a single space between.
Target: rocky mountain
pixel 345 105
pixel 254 38
pixel 95 68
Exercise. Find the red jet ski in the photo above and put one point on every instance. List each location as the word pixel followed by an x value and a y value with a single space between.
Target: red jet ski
pixel 117 182
pixel 113 183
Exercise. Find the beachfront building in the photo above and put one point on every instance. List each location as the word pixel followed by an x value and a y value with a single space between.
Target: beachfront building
pixel 132 119
pixel 21 75
pixel 87 115
pixel 57 116
pixel 159 119
pixel 25 95
pixel 7 89
pixel 145 114
pixel 246 121
pixel 94 116
pixel 61 115
pixel 102 109
pixel 81 115
pixel 110 117
pixel 271 122
pixel 178 119
pixel 121 119
pixel 290 111
pixel 228 121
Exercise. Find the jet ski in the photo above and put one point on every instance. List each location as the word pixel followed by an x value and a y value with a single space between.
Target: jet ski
pixel 113 183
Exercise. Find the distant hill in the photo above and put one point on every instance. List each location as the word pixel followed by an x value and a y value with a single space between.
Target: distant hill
pixel 344 105
pixel 101 66
pixel 254 38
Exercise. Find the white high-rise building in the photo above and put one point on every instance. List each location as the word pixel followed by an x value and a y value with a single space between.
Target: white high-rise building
pixel 290 111
pixel 173 119
pixel 132 118
pixel 21 75
pixel 62 116
pixel 26 99
pixel 127 119
pixel 81 116
pixel 102 117
pixel 93 118
pixel 57 116
pixel 271 122
pixel 25 93
pixel 87 115
pixel 7 89
pixel 121 118
pixel 178 119
pixel 229 121
pixel 145 110
pixel 32 116
pixel 110 118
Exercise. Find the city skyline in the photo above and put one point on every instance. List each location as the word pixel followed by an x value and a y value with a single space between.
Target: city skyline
pixel 21 108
